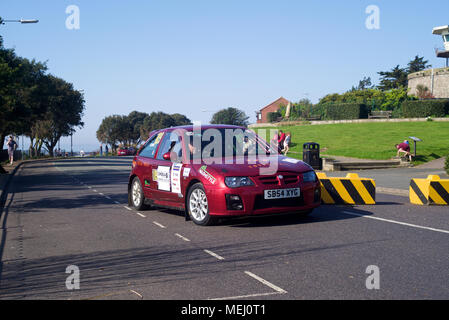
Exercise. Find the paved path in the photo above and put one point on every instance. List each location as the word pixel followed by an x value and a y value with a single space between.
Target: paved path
pixel 74 213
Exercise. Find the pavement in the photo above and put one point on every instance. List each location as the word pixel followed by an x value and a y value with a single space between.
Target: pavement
pixel 72 215
pixel 397 180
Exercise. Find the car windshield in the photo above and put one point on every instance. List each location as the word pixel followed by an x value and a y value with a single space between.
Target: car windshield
pixel 225 142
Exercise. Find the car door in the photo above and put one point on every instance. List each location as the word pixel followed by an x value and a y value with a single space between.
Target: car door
pixel 168 172
pixel 146 164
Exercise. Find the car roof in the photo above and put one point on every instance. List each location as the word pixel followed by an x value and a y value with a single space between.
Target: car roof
pixel 191 127
pixel 203 127
pixel 207 126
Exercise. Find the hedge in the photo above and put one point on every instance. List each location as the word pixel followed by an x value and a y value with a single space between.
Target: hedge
pixel 425 108
pixel 344 111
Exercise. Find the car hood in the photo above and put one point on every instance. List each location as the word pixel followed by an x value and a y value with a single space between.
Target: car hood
pixel 267 166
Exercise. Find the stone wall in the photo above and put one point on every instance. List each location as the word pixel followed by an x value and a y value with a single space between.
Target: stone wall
pixel 437 80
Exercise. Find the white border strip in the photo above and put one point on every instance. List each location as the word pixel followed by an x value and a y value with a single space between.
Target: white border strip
pixel 213 254
pixel 182 237
pixel 265 282
pixel 396 222
pixel 159 225
pixel 248 296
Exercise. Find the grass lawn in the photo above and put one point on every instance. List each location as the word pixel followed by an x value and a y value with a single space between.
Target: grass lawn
pixel 371 140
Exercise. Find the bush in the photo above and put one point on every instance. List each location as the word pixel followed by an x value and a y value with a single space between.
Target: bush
pixel 425 108
pixel 344 111
pixel 273 116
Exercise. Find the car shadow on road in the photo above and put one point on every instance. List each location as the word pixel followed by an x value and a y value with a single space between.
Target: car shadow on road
pixel 321 214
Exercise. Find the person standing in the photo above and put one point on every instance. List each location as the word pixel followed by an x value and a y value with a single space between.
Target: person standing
pixel 12 145
pixel 107 151
pixel 281 140
pixel 101 150
pixel 287 144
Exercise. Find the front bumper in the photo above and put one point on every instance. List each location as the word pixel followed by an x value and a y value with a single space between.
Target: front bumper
pixel 254 203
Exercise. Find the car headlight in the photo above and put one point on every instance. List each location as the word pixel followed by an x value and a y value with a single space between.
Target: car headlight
pixel 237 182
pixel 309 176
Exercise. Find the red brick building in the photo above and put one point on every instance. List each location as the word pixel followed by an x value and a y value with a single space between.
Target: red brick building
pixel 262 115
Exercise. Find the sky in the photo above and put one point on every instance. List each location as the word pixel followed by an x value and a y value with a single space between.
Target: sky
pixel 199 56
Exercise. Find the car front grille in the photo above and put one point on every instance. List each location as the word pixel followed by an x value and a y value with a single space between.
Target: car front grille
pixel 261 203
pixel 275 181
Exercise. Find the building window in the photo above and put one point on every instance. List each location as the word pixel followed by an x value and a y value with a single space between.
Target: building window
pixel 446 38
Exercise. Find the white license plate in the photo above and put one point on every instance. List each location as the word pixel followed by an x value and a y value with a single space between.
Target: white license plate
pixel 282 193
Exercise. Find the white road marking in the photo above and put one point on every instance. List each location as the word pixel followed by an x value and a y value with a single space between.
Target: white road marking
pixel 159 225
pixel 248 296
pixel 213 254
pixel 127 208
pixel 94 190
pixel 396 222
pixel 101 194
pixel 138 294
pixel 265 282
pixel 89 187
pixel 139 214
pixel 116 202
pixel 182 237
pixel 107 197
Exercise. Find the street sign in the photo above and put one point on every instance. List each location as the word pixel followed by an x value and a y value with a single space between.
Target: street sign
pixel 415 140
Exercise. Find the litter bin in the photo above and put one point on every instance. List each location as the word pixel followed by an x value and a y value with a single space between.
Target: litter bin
pixel 311 155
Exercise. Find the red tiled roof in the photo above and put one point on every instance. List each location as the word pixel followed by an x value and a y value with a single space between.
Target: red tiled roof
pixel 278 102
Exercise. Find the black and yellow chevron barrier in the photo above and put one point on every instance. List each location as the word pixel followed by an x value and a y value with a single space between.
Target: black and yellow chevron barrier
pixel 351 190
pixel 430 191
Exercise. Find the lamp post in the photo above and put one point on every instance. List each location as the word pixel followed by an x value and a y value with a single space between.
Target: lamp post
pixel 22 21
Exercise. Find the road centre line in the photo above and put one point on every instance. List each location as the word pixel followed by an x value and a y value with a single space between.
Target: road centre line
pixel 182 237
pixel 139 214
pixel 396 222
pixel 265 282
pixel 213 254
pixel 127 208
pixel 247 296
pixel 159 225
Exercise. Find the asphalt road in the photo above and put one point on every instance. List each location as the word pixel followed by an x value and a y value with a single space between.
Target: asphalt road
pixel 74 213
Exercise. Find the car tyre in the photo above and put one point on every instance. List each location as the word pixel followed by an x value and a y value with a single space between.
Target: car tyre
pixel 198 206
pixel 136 196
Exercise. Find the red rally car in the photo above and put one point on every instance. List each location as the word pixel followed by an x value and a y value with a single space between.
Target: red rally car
pixel 219 171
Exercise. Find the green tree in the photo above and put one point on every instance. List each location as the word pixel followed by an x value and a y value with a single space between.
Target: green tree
pixel 135 122
pixel 394 79
pixel 19 83
pixel 114 130
pixel 231 116
pixel 418 64
pixel 161 120
pixel 64 113
pixel 364 84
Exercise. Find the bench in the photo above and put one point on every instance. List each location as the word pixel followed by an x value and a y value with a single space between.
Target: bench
pixel 380 115
pixel 313 118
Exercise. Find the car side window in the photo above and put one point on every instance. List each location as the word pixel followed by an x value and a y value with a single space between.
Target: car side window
pixel 150 149
pixel 170 143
